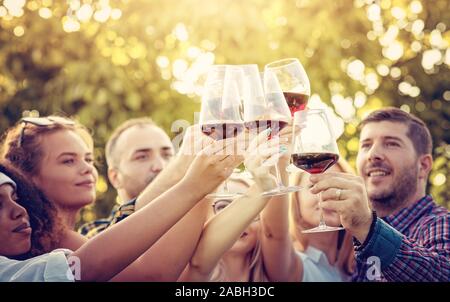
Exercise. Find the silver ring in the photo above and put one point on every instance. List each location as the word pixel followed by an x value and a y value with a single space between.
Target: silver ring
pixel 338 194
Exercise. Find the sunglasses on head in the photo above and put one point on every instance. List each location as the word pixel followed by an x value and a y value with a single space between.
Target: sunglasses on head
pixel 41 122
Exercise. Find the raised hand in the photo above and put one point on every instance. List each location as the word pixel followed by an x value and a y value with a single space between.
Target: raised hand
pixel 346 194
pixel 213 164
pixel 287 134
pixel 194 141
pixel 262 154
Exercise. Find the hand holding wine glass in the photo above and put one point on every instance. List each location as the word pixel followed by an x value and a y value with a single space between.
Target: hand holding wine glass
pixel 287 135
pixel 261 155
pixel 212 165
pixel 265 107
pixel 315 150
pixel 221 110
pixel 193 142
pixel 345 194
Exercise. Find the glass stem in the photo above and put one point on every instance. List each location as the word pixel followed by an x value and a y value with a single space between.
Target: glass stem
pixel 280 183
pixel 322 223
pixel 225 186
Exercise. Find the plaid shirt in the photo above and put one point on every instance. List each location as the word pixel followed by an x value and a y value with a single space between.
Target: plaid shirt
pixel 412 245
pixel 91 229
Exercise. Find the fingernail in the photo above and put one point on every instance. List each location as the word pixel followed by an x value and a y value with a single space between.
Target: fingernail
pixel 283 148
pixel 313 178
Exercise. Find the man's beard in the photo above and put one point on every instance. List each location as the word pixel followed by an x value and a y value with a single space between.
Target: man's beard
pixel 136 190
pixel 149 180
pixel 404 186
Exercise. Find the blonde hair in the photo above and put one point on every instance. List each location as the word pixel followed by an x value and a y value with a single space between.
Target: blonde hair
pixel 257 272
pixel 345 257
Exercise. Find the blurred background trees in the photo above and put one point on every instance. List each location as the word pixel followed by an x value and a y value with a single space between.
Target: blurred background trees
pixel 106 61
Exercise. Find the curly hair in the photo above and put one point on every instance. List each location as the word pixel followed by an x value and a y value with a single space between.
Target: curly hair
pixel 46 227
pixel 27 156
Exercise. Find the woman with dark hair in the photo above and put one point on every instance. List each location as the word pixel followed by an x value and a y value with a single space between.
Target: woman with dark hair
pixel 111 251
pixel 42 215
pixel 56 154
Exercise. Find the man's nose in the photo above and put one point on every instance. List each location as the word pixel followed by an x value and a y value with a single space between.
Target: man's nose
pixel 158 164
pixel 375 153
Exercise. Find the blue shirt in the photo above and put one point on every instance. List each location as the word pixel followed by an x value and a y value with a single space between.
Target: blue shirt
pixel 316 267
pixel 411 245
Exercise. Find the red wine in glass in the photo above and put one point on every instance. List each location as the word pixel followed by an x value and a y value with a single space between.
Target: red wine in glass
pixel 219 131
pixel 314 163
pixel 296 101
pixel 261 125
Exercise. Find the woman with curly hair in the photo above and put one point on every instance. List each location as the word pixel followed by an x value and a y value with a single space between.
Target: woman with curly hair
pixel 42 215
pixel 56 154
pixel 111 251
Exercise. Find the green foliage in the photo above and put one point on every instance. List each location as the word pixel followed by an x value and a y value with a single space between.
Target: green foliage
pixel 107 71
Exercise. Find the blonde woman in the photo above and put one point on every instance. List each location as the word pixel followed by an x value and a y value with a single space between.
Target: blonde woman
pixel 239 245
pixel 234 245
pixel 231 266
pixel 325 256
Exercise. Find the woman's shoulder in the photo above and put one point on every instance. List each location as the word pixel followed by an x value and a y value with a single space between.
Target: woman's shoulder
pixel 51 267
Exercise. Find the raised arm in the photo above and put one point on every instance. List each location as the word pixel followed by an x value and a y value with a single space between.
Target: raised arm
pixel 167 258
pixel 234 219
pixel 184 234
pixel 112 250
pixel 280 259
pixel 403 259
pixel 193 142
pixel 400 258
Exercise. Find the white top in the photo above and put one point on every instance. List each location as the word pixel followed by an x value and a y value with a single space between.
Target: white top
pixel 51 267
pixel 316 267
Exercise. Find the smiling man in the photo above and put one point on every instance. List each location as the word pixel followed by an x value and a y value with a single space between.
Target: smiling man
pixel 407 236
pixel 394 160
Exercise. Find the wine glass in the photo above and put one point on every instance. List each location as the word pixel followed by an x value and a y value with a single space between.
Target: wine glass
pixel 221 109
pixel 294 83
pixel 265 107
pixel 315 151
